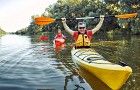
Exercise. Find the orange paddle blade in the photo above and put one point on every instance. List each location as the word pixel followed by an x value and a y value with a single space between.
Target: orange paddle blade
pixel 43 20
pixel 42 23
pixel 124 16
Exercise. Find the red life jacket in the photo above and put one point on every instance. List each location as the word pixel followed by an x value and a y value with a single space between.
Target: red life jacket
pixel 59 39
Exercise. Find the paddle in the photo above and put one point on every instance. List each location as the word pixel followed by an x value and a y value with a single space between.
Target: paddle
pixel 47 20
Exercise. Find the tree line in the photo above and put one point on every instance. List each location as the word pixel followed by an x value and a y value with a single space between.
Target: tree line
pixel 2 32
pixel 85 8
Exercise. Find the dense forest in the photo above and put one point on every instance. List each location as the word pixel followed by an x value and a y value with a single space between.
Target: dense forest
pixel 85 8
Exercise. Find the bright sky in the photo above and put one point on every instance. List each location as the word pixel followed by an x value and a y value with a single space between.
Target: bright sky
pixel 16 14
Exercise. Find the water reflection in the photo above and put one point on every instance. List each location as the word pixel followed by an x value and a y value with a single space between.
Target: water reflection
pixel 93 81
pixel 73 81
pixel 59 49
pixel 28 64
pixel 78 82
pixel 15 40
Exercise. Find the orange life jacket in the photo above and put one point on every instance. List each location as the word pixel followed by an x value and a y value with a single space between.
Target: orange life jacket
pixel 82 40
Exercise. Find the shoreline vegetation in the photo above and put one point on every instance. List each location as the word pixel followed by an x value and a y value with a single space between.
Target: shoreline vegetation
pixel 89 8
pixel 2 32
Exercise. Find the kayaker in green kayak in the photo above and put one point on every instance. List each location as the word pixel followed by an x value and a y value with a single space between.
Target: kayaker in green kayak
pixel 83 36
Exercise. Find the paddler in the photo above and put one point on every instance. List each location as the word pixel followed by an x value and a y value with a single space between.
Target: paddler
pixel 59 39
pixel 59 34
pixel 83 36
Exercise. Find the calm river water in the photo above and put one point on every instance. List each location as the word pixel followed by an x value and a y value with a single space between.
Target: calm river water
pixel 26 64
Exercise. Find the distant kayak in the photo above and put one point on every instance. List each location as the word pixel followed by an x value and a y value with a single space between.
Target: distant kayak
pixel 43 38
pixel 111 74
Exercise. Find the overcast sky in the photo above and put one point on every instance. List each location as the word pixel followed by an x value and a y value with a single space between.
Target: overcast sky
pixel 16 14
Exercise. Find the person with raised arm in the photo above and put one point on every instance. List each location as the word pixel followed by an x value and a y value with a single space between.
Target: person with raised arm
pixel 83 36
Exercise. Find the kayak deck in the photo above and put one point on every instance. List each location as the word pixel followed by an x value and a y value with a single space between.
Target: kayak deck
pixel 113 75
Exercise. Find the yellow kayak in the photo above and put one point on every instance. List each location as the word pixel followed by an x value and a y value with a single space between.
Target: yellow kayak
pixel 113 75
